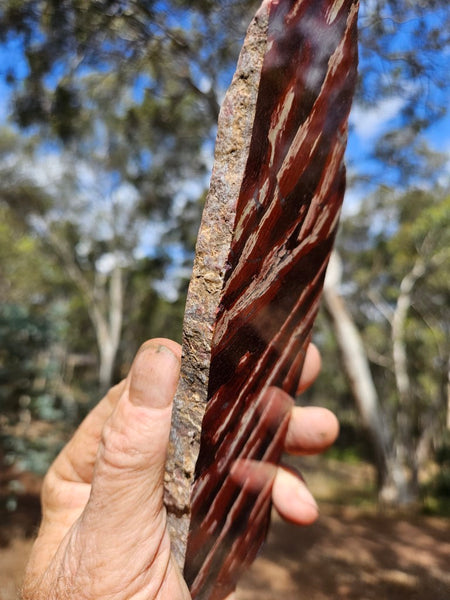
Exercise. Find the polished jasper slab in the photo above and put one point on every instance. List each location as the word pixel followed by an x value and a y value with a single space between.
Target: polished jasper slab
pixel 266 236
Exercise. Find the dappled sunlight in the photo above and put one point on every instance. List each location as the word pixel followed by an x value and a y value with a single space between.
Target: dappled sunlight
pixel 350 553
pixel 353 554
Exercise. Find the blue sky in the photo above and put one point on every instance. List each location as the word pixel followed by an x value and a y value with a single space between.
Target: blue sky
pixel 367 124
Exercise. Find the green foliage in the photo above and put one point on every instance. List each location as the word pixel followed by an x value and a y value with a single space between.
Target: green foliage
pixel 22 336
pixel 116 105
pixel 394 66
pixel 166 66
pixel 396 258
pixel 352 445
pixel 28 275
pixel 162 65
pixel 26 365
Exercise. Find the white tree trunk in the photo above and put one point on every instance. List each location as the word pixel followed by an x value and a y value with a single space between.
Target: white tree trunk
pixel 398 330
pixel 105 307
pixel 108 327
pixel 394 488
pixel 404 447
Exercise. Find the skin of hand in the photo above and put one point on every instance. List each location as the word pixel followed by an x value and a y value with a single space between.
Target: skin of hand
pixel 103 533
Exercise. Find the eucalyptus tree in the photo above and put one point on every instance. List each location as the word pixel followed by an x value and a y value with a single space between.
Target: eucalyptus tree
pixel 391 320
pixel 117 100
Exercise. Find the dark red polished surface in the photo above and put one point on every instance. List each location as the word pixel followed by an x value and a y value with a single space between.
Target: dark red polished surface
pixel 286 218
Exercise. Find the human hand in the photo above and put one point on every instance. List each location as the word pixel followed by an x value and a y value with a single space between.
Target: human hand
pixel 103 532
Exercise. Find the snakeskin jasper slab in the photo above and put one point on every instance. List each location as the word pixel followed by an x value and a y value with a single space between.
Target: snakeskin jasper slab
pixel 266 236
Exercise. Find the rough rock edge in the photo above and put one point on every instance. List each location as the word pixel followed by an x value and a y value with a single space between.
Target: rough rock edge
pixel 232 145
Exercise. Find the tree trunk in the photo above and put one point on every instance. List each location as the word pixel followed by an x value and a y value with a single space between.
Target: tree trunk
pixel 404 446
pixel 108 327
pixel 105 308
pixel 393 484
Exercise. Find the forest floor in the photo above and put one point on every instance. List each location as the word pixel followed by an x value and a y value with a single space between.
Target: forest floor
pixel 353 552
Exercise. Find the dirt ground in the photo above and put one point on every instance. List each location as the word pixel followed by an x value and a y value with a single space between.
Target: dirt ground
pixel 351 553
pixel 353 556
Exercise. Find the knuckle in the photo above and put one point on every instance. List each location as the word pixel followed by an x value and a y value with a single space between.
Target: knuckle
pixel 118 449
pixel 50 487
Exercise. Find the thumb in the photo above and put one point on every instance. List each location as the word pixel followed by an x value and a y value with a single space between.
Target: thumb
pixel 127 487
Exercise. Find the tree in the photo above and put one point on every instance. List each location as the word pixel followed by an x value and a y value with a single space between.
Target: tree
pixel 115 105
pixel 118 165
pixel 402 90
pixel 166 69
pixel 397 296
pixel 392 484
pixel 32 311
pixel 94 235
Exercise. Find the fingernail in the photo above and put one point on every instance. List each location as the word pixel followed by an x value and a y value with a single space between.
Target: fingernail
pixel 156 348
pixel 305 496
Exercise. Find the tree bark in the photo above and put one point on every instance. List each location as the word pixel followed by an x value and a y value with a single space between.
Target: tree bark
pixel 393 484
pixel 109 327
pixel 398 330
pixel 104 303
pixel 404 446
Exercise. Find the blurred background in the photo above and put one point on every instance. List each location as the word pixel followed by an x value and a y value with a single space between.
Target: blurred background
pixel 107 123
